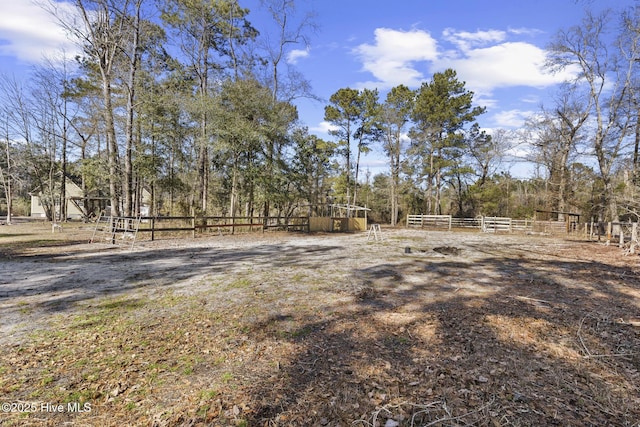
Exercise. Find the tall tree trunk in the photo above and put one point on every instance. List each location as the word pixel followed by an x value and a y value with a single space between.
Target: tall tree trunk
pixel 134 55
pixel 355 183
pixel 63 182
pixel 112 147
pixel 234 188
pixel 6 180
pixel 636 148
pixel 203 154
pixel 395 185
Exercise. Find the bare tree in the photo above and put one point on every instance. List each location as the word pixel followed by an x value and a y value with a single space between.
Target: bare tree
pixel 557 135
pixel 487 150
pixel 100 29
pixel 6 172
pixel 290 32
pixel 31 115
pixel 606 72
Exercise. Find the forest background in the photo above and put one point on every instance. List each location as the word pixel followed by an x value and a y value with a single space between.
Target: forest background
pixel 187 100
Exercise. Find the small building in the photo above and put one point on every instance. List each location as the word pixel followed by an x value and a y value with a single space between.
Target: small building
pixel 73 193
pixel 78 206
pixel 343 218
pixel 555 221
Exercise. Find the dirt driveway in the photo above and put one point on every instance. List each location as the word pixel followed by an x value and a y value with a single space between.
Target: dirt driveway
pixel 423 328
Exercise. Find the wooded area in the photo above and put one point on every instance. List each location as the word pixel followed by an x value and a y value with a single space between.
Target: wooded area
pixel 187 100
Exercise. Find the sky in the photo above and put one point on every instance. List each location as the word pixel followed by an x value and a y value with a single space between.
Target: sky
pixel 495 46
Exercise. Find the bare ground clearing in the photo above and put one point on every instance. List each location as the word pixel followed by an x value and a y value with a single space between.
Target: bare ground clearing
pixel 330 330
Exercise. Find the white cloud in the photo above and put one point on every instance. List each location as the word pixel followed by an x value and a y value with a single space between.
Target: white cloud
pixel 511 118
pixel 323 128
pixel 392 58
pixel 296 54
pixel 485 60
pixel 484 101
pixel 30 33
pixel 525 31
pixel 465 40
pixel 503 65
pixel 531 99
pixel 519 151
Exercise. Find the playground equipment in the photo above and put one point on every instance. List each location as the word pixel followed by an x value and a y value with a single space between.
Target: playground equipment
pixel 119 231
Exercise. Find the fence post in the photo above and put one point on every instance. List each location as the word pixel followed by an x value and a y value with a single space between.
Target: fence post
pixel 621 244
pixel 114 225
pixel 153 228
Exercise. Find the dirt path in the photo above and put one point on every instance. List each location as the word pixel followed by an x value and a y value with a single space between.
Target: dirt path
pixel 51 280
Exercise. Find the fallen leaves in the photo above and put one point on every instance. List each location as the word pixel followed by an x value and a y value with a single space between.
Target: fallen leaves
pixel 382 340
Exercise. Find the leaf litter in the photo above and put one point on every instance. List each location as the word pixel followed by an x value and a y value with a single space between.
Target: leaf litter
pixel 329 329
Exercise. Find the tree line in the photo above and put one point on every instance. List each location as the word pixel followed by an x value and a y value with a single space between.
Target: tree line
pixel 187 100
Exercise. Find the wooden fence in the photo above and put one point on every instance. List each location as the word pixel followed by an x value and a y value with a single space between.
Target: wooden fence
pixel 621 232
pixel 475 223
pixel 219 224
pixel 625 234
pixel 331 224
pixel 429 221
pixel 492 224
pixel 496 224
pixel 486 224
pixel 198 225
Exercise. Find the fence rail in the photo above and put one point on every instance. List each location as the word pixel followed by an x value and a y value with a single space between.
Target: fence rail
pixel 624 233
pixel 466 222
pixel 494 224
pixel 429 221
pixel 220 224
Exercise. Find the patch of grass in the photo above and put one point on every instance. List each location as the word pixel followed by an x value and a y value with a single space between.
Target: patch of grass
pixel 207 394
pixel 169 300
pixel 82 362
pixel 82 396
pixel 219 360
pixel 302 332
pixel 23 307
pixel 47 380
pixel 202 411
pixel 188 363
pixel 122 304
pixel 299 277
pixel 239 284
pixel 99 321
pixel 227 377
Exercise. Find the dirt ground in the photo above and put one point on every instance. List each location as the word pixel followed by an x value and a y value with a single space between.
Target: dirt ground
pixel 424 328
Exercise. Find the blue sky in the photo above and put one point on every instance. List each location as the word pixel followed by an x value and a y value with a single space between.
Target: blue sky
pixel 496 47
